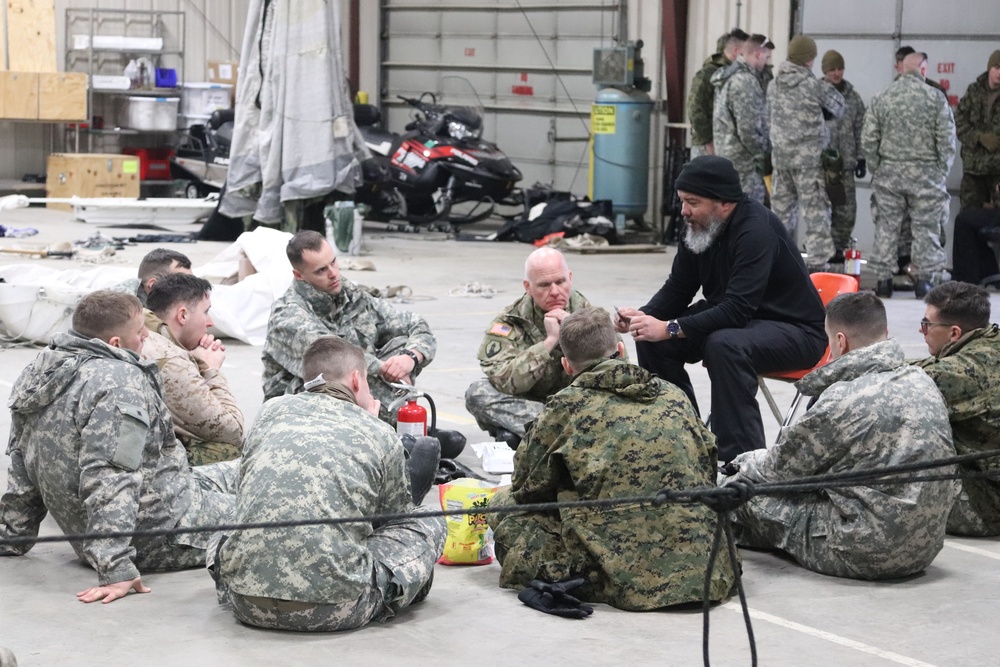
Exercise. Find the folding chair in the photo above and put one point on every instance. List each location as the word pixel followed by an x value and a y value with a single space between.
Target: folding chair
pixel 828 285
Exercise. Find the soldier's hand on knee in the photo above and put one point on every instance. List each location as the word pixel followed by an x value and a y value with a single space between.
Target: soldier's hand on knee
pixel 397 368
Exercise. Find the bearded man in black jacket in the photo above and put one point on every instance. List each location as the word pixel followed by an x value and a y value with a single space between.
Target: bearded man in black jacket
pixel 760 312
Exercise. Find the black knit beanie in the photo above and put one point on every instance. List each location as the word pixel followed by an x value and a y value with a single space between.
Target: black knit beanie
pixel 710 176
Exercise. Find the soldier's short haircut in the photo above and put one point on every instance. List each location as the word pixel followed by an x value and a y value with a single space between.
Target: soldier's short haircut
pixel 859 315
pixel 902 52
pixel 332 357
pixel 302 241
pixel 587 336
pixel 105 313
pixel 158 262
pixel 177 288
pixel 962 304
pixel 757 41
pixel 737 36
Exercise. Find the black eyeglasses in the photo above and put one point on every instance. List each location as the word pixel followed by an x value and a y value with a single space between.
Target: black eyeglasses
pixel 926 324
pixel 616 355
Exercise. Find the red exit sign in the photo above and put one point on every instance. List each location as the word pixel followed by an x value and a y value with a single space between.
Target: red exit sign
pixel 946 68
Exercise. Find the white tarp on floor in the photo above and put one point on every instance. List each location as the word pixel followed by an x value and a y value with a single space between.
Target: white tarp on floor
pixel 36 301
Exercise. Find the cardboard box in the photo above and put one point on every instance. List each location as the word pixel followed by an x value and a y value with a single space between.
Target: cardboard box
pixel 224 71
pixel 91 175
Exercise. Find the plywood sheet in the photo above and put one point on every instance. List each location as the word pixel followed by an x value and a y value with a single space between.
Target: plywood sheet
pixel 31 35
pixel 19 95
pixel 62 96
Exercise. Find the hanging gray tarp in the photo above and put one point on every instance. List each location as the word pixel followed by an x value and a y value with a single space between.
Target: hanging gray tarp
pixel 295 136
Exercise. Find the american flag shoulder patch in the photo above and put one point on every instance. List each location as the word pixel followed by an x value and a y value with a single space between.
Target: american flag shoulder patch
pixel 499 329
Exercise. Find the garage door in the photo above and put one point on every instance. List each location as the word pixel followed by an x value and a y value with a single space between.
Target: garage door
pixel 957 37
pixel 529 62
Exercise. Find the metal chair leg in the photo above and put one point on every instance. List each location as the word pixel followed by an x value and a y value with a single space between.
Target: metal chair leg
pixel 769 398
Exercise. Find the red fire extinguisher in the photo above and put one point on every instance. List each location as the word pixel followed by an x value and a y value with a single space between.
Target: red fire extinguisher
pixel 852 261
pixel 411 419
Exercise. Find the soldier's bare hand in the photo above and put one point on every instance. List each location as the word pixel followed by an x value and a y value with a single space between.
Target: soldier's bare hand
pixel 212 356
pixel 647 328
pixel 551 331
pixel 112 592
pixel 623 316
pixel 397 368
pixel 208 341
pixel 557 313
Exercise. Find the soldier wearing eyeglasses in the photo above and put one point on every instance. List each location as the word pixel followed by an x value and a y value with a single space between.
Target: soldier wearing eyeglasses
pixel 965 365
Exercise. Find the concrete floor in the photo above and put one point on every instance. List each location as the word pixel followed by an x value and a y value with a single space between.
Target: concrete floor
pixel 946 616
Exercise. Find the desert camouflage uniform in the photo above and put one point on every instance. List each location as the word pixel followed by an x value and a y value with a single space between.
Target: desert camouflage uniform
pixel 92 442
pixel 980 167
pixel 207 420
pixel 303 314
pixel 316 456
pixel 874 410
pixel 909 141
pixel 701 103
pixel 520 372
pixel 740 128
pixel 968 374
pixel 796 107
pixel 845 137
pixel 617 431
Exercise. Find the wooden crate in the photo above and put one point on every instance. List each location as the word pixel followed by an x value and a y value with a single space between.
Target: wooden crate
pixel 31 35
pixel 91 175
pixel 19 95
pixel 62 96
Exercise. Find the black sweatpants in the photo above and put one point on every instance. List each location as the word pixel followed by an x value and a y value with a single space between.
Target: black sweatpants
pixel 972 257
pixel 734 358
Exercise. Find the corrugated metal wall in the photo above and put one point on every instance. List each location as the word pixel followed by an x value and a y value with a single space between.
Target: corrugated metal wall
pixel 707 19
pixel 214 31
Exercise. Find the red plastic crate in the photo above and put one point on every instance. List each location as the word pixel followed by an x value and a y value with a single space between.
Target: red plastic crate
pixel 154 163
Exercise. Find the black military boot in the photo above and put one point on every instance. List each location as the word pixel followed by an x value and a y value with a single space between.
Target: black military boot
pixel 921 288
pixel 452 442
pixel 503 435
pixel 883 289
pixel 424 454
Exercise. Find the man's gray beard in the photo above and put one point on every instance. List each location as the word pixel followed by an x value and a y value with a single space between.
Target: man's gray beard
pixel 698 241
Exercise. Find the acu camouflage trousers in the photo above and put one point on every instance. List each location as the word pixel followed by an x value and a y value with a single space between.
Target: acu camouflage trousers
pixel 916 191
pixel 494 409
pixel 800 194
pixel 404 552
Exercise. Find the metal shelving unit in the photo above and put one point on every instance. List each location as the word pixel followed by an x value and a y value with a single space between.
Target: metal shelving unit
pixel 169 26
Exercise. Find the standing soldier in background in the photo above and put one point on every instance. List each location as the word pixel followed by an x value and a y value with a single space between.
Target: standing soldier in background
pixel 740 129
pixel 701 98
pixel 978 123
pixel 798 106
pixel 909 141
pixel 845 137
pixel 905 243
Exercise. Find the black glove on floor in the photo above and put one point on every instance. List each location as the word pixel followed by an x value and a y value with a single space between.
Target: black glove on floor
pixel 555 598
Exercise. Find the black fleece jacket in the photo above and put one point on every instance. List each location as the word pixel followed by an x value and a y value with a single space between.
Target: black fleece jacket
pixel 753 271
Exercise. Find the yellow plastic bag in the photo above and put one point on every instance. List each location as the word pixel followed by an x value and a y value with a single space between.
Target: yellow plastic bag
pixel 470 540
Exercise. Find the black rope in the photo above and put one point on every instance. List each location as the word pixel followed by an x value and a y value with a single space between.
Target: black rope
pixel 721 499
